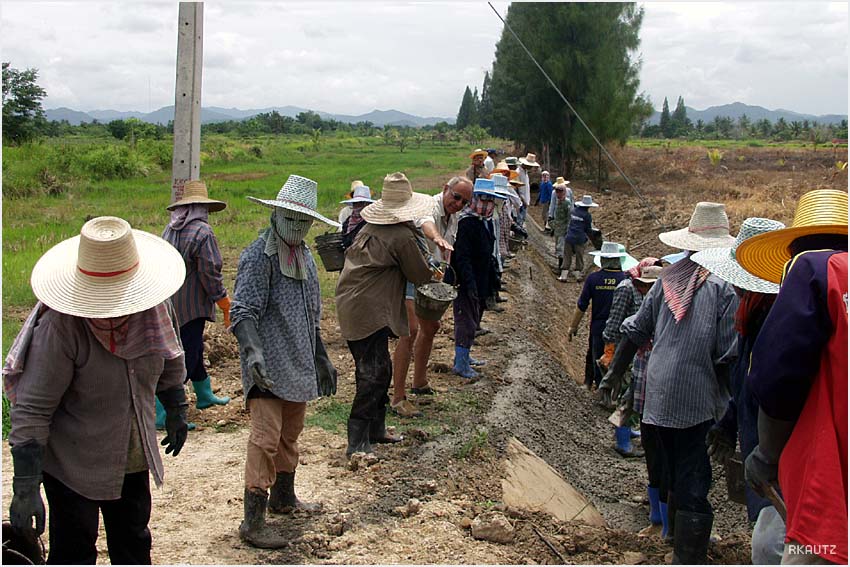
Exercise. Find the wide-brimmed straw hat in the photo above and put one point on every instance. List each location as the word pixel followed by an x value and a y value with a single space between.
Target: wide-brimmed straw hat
pixel 487 187
pixel 561 181
pixel 362 194
pixel 354 185
pixel 529 159
pixel 298 194
pixel 478 152
pixel 614 250
pixel 501 168
pixel 723 262
pixel 649 274
pixel 195 193
pixel 398 202
pixel 510 160
pixel 822 211
pixel 586 201
pixel 708 228
pixel 109 270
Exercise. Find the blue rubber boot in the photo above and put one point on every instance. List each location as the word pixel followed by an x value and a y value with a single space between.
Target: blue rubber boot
pixel 623 436
pixel 160 417
pixel 665 521
pixel 461 366
pixel 654 502
pixel 204 393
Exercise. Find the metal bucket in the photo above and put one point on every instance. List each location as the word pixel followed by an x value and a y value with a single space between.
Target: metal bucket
pixel 432 299
pixel 330 251
pixel 735 482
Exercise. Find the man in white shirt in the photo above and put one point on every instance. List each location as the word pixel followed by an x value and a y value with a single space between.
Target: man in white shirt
pixel 525 165
pixel 442 226
pixel 490 161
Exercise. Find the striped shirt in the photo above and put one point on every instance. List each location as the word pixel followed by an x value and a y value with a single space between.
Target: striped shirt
pixel 626 302
pixel 203 285
pixel 682 389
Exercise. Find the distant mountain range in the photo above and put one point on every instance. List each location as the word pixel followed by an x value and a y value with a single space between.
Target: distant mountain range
pixel 217 114
pixel 754 113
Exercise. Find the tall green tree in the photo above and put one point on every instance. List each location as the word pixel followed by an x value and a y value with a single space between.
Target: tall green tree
pixel 485 108
pixel 666 123
pixel 680 123
pixel 23 115
pixel 586 48
pixel 466 113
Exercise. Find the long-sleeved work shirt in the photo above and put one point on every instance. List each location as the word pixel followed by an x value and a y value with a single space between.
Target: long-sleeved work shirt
pixel 84 404
pixel 203 285
pixel 370 291
pixel 682 389
pixel 287 312
pixel 446 226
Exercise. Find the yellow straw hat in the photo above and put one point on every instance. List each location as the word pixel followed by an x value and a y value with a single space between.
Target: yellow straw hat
pixel 478 152
pixel 398 202
pixel 195 193
pixel 822 211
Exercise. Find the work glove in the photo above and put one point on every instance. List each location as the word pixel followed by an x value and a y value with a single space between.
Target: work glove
pixel 326 375
pixel 719 443
pixel 224 305
pixel 606 358
pixel 578 314
pixel 176 422
pixel 611 383
pixel 761 468
pixel 26 503
pixel 251 351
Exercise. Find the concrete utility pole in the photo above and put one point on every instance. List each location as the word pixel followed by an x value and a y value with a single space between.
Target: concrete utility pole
pixel 186 164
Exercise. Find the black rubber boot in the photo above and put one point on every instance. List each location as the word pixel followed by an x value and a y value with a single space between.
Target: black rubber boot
pixel 282 499
pixel 253 529
pixel 358 437
pixel 378 430
pixel 671 518
pixel 693 531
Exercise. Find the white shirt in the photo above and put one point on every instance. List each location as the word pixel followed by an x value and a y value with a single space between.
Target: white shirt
pixel 489 164
pixel 447 228
pixel 525 189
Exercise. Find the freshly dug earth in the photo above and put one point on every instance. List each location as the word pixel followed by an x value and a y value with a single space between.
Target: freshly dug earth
pixel 416 505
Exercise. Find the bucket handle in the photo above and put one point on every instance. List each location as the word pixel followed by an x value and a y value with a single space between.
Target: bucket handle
pixel 448 267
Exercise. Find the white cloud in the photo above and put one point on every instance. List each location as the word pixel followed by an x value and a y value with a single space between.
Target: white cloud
pixel 349 58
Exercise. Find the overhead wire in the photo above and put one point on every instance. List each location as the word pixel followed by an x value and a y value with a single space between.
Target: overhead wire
pixel 602 147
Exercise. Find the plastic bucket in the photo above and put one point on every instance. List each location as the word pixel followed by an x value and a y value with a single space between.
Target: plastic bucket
pixel 330 251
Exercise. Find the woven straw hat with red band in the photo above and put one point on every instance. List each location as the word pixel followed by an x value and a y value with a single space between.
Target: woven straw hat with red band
pixel 109 270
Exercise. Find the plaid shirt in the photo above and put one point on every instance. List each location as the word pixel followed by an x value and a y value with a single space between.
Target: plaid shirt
pixel 626 302
pixel 203 285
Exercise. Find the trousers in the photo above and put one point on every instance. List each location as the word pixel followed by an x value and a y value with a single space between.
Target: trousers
pixel 573 251
pixel 688 465
pixel 74 523
pixel 373 372
pixel 273 442
pixel 192 337
pixel 467 315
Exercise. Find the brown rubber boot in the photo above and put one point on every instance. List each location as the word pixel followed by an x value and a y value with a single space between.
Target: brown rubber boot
pixel 253 529
pixel 282 499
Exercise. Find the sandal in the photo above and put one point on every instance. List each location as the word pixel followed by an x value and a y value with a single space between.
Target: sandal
pixel 425 390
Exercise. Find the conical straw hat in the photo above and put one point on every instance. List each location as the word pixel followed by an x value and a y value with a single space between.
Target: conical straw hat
pixel 195 192
pixel 822 211
pixel 109 270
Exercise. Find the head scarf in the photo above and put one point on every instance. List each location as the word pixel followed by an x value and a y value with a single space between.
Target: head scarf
pixel 354 218
pixel 482 208
pixel 285 238
pixel 681 282
pixel 634 272
pixel 184 214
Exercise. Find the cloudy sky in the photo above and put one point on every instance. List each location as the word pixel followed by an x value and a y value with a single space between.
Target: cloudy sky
pixel 417 57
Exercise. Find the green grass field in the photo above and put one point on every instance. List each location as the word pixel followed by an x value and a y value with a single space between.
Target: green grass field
pixel 51 188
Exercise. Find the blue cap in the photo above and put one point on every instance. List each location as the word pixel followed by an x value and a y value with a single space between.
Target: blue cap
pixel 486 187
